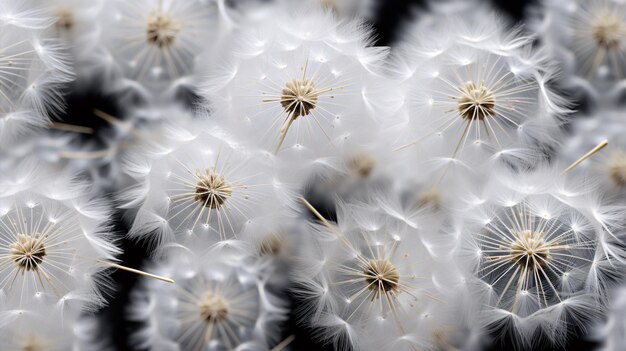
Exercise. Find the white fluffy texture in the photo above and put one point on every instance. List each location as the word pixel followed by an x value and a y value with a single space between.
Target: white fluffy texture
pixel 159 55
pixel 27 14
pixel 166 195
pixel 32 70
pixel 612 332
pixel 607 166
pixel 587 40
pixel 76 22
pixel 37 331
pixel 337 283
pixel 65 230
pixel 139 129
pixel 518 115
pixel 173 310
pixel 563 280
pixel 341 8
pixel 306 43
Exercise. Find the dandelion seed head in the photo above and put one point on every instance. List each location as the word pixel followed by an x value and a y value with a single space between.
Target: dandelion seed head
pixel 27 252
pixel 270 245
pixel 530 249
pixel 33 343
pixel 381 277
pixel 607 30
pixel 476 101
pixel 161 29
pixel 213 308
pixel 212 189
pixel 65 20
pixel 299 97
pixel 361 163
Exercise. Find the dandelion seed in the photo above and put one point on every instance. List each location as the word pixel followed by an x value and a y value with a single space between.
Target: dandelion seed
pixel 304 101
pixel 540 257
pixel 204 187
pixel 158 40
pixel 373 278
pixel 214 304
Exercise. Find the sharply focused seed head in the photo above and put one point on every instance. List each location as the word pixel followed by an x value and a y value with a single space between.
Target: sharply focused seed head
pixel 213 308
pixel 161 29
pixel 381 277
pixel 27 252
pixel 361 163
pixel 299 97
pixel 617 168
pixel 607 30
pixel 530 249
pixel 476 102
pixel 212 189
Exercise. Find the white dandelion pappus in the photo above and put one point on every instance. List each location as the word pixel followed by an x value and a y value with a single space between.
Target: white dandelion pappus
pixel 157 40
pixel 612 332
pixel 480 95
pixel 608 166
pixel 144 128
pixel 200 187
pixel 50 251
pixel 32 69
pixel 342 9
pixel 37 331
pixel 587 40
pixel 369 281
pixel 76 22
pixel 299 85
pixel 26 14
pixel 540 263
pixel 215 305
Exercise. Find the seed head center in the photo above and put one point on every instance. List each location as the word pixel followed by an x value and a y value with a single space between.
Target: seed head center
pixel 271 245
pixel 530 249
pixel 617 168
pixel 361 163
pixel 65 20
pixel 34 343
pixel 27 252
pixel 381 277
pixel 161 30
pixel 213 308
pixel 212 189
pixel 607 30
pixel 299 97
pixel 476 101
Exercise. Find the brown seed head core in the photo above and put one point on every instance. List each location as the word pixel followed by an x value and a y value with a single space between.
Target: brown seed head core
pixel 476 102
pixel 530 249
pixel 299 97
pixel 212 189
pixel 381 277
pixel 361 163
pixel 33 343
pixel 270 245
pixel 607 30
pixel 617 168
pixel 429 198
pixel 65 20
pixel 27 252
pixel 161 29
pixel 213 308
